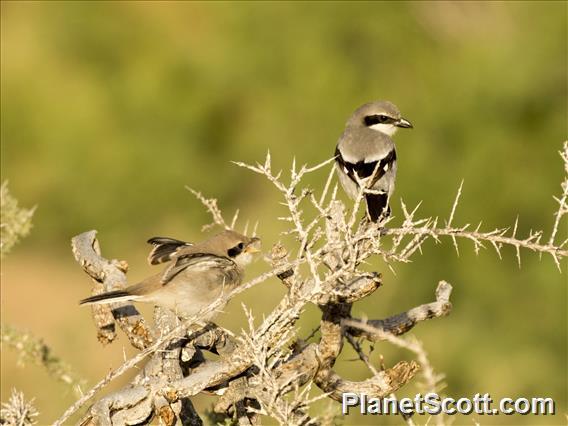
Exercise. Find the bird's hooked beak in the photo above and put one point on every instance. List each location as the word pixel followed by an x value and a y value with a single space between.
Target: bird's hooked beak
pixel 253 246
pixel 404 123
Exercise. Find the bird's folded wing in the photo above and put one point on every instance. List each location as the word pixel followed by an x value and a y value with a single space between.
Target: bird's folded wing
pixel 365 169
pixel 164 248
pixel 201 263
pixel 384 165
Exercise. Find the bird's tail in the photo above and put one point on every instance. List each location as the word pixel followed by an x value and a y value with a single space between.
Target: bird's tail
pixel 110 297
pixel 377 206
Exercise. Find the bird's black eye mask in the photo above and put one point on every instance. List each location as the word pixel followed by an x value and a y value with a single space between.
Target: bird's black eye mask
pixel 235 251
pixel 371 120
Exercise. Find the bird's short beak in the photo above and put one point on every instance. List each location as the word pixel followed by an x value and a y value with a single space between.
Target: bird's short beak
pixel 254 246
pixel 404 123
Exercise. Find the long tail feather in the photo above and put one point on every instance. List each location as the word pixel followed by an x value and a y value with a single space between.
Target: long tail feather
pixel 110 297
pixel 377 206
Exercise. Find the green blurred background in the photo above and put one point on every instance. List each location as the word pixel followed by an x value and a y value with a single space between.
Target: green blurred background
pixel 109 109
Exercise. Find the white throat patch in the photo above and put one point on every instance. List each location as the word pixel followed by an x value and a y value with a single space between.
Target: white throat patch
pixel 388 129
pixel 243 259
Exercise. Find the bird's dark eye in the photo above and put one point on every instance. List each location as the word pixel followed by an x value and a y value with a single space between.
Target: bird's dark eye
pixel 235 251
pixel 371 120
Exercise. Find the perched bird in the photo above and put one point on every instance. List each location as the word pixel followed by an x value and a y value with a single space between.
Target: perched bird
pixel 196 276
pixel 366 149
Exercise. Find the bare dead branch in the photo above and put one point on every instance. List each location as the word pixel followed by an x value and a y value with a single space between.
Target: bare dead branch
pixel 211 206
pixel 405 321
pixel 379 386
pixel 563 199
pixel 109 275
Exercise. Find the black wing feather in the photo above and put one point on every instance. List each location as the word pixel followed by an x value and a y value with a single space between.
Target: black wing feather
pixel 363 169
pixel 164 248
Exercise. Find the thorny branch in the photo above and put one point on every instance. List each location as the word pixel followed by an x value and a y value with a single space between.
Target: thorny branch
pixel 267 370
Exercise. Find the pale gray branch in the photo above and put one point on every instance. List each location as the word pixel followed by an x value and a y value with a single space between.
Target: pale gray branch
pixel 405 321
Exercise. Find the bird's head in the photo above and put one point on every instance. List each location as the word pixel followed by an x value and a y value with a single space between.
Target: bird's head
pixel 381 116
pixel 238 247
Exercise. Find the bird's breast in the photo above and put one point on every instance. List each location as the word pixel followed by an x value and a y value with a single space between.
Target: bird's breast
pixel 363 144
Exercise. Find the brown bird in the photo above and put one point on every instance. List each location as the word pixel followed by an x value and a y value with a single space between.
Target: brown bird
pixel 197 275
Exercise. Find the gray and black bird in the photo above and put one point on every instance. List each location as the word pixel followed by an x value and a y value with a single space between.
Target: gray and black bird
pixel 366 149
pixel 195 276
